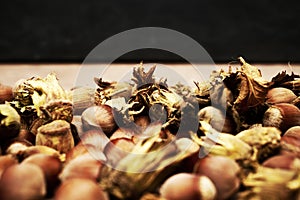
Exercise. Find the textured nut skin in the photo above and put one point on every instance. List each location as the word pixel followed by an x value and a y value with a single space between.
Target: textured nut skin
pixel 280 95
pixel 57 135
pixel 293 131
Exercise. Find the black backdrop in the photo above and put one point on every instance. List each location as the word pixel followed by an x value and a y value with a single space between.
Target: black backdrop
pixel 66 31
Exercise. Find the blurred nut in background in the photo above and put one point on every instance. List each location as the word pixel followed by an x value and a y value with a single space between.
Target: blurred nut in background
pixel 78 189
pixel 188 186
pixel 22 182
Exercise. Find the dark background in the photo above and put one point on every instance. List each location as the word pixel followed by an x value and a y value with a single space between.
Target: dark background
pixel 66 31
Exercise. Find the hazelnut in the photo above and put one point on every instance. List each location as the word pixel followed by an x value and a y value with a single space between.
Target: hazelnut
pixel 96 117
pixel 22 182
pixel 281 161
pixel 188 186
pixel 290 145
pixel 118 148
pixel 217 119
pixel 280 95
pixel 223 172
pixel 51 167
pixel 57 135
pixel 95 138
pixel 7 161
pixel 6 93
pixel 293 131
pixel 84 166
pixel 282 116
pixel 78 189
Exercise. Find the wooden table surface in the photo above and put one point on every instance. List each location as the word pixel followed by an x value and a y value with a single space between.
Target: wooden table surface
pixel 70 74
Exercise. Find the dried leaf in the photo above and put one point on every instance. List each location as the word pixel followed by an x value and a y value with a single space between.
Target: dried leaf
pixel 252 92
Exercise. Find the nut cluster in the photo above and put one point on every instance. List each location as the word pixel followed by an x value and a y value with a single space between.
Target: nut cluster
pixel 235 136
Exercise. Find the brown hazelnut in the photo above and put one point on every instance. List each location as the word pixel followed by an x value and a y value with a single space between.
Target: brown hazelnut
pixel 217 119
pixel 95 138
pixel 290 145
pixel 118 148
pixel 51 167
pixel 282 116
pixel 188 186
pixel 6 93
pixel 78 150
pixel 293 131
pixel 22 182
pixel 280 95
pixel 78 189
pixel 7 161
pixel 96 117
pixel 84 166
pixel 224 173
pixel 57 135
pixel 281 161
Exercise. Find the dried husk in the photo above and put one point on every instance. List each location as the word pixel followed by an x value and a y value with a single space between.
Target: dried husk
pixel 151 161
pixel 265 141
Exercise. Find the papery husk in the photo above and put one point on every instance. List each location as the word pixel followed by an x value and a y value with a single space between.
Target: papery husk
pixel 265 141
pixel 151 161
pixel 42 98
pixel 111 90
pixel 269 183
pixel 223 144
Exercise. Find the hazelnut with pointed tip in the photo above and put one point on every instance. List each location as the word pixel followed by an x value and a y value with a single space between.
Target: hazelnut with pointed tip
pixel 217 119
pixel 282 116
pixel 280 95
pixel 96 117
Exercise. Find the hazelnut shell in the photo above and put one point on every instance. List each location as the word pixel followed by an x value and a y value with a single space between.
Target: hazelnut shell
pixel 282 116
pixel 188 186
pixel 223 172
pixel 280 95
